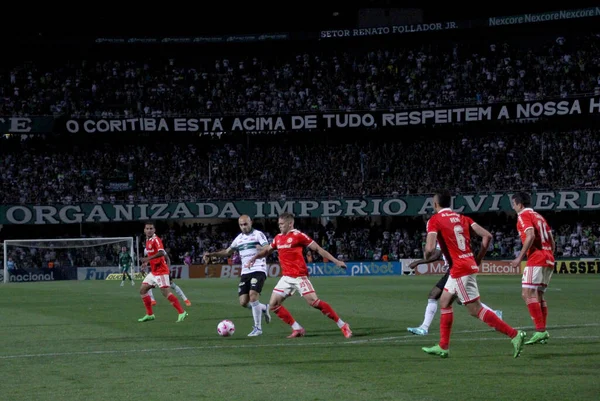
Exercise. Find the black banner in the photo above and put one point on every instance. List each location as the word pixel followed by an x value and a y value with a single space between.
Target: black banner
pixel 341 120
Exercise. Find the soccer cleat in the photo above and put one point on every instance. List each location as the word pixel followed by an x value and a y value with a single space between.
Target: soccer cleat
pixel 122 282
pixel 346 330
pixel 146 318
pixel 255 332
pixel 153 303
pixel 182 317
pixel 267 315
pixel 418 331
pixel 132 283
pixel 517 342
pixel 297 333
pixel 436 350
pixel 187 302
pixel 540 337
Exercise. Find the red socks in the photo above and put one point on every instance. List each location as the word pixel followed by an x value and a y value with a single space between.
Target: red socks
pixel 325 309
pixel 147 303
pixel 446 319
pixel 284 314
pixel 175 302
pixel 544 312
pixel 492 320
pixel 535 310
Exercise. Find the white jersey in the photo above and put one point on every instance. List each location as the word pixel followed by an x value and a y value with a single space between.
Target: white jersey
pixel 247 246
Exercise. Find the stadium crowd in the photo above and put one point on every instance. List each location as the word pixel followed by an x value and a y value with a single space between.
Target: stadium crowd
pixel 39 171
pixel 415 75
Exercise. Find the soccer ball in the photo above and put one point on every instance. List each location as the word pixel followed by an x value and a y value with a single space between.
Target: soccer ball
pixel 226 328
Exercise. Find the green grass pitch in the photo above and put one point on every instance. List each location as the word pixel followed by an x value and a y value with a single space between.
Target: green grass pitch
pixel 80 340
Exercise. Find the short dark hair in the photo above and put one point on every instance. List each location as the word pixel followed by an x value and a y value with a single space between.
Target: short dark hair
pixel 444 198
pixel 522 198
pixel 149 223
pixel 286 216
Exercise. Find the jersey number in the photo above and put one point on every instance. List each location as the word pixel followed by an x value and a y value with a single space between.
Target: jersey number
pixel 460 238
pixel 543 231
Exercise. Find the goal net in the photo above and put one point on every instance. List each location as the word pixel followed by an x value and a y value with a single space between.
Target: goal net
pixel 65 258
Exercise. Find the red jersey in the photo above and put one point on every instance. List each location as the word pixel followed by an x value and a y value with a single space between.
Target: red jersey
pixel 291 258
pixel 158 266
pixel 454 236
pixel 540 253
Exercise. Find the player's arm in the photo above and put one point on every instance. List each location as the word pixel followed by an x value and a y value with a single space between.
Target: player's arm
pixel 263 253
pixel 486 238
pixel 220 254
pixel 552 242
pixel 529 237
pixel 430 245
pixel 436 255
pixel 326 255
pixel 158 254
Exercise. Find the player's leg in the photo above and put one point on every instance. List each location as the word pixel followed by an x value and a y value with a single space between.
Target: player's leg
pixel 244 297
pixel 257 281
pixel 446 320
pixel 165 288
pixel 468 293
pixel 308 293
pixel 431 309
pixel 145 288
pixel 123 277
pixel 180 293
pixel 531 281
pixel 284 288
pixel 151 294
pixel 541 334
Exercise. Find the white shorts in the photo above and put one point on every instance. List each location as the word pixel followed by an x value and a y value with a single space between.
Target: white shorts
pixel 536 277
pixel 464 287
pixel 287 286
pixel 160 281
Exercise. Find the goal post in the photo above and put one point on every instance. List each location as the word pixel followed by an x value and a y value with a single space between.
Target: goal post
pixel 60 258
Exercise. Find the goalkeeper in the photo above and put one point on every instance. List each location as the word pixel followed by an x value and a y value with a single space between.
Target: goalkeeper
pixel 125 261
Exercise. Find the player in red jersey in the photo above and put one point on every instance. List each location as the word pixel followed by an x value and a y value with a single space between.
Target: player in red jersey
pixel 290 243
pixel 538 245
pixel 158 276
pixel 453 232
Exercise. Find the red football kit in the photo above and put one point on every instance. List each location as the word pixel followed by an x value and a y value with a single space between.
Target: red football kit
pixel 290 248
pixel 158 266
pixel 454 238
pixel 540 252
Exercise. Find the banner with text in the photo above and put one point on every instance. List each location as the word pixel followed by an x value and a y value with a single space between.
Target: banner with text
pixel 326 120
pixel 577 266
pixel 314 270
pixel 103 272
pixel 399 206
pixel 545 17
pixel 488 267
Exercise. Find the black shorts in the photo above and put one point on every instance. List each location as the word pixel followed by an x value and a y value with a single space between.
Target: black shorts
pixel 442 283
pixel 252 281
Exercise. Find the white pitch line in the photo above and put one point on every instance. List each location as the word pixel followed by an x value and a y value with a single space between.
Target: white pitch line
pixel 395 339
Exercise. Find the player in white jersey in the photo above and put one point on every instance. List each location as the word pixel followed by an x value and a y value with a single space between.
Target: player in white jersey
pixel 435 293
pixel 252 279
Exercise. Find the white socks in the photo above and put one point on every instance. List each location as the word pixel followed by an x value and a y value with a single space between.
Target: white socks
pixel 256 313
pixel 178 291
pixel 432 305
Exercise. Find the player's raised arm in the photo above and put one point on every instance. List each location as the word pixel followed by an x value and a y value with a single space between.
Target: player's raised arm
pixel 326 255
pixel 486 238
pixel 220 254
pixel 436 255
